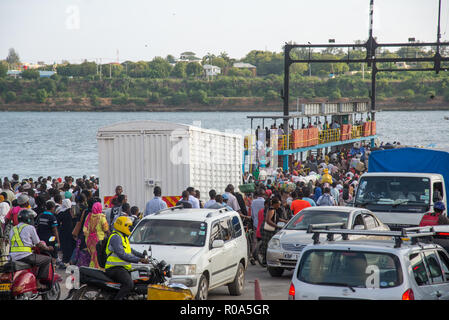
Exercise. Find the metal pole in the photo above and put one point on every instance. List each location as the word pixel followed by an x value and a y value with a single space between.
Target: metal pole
pixel 287 62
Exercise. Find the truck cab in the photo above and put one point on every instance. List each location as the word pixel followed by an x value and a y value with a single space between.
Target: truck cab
pixel 400 199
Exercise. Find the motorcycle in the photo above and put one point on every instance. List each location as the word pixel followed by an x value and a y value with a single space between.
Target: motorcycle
pixel 18 280
pixel 96 285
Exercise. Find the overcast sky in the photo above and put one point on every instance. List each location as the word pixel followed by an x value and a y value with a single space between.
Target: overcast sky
pixel 74 30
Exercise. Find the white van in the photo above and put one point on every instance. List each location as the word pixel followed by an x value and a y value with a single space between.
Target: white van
pixel 206 248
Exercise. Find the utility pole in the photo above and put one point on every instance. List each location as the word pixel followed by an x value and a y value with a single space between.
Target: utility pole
pixel 371 46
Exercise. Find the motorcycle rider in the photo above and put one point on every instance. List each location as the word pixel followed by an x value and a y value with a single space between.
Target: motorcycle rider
pixel 23 237
pixel 120 256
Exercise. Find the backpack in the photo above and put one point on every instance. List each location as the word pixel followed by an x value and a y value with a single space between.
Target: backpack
pixel 101 252
pixel 429 220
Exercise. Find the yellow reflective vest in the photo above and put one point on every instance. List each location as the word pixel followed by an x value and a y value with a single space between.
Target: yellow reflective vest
pixel 113 259
pixel 16 241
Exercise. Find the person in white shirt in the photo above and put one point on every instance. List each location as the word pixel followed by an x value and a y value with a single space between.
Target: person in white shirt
pixel 192 199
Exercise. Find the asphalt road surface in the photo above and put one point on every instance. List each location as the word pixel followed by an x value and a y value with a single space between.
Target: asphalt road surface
pixel 271 288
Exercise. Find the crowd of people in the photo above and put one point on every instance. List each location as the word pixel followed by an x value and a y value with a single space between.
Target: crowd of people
pixel 64 209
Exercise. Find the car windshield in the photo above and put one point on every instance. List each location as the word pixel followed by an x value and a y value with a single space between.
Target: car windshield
pixel 170 232
pixel 350 269
pixel 302 219
pixel 404 194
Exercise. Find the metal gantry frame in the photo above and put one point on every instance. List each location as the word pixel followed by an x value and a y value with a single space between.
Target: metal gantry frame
pixel 370 46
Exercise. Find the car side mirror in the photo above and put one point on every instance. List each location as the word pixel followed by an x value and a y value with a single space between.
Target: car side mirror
pixel 280 224
pixel 217 244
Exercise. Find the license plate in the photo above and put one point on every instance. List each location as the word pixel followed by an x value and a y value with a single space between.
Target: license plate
pixel 290 256
pixel 5 287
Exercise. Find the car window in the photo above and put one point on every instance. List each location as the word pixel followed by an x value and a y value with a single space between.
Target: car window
pixel 169 232
pixel 303 219
pixel 444 264
pixel 236 227
pixel 370 222
pixel 226 229
pixel 215 233
pixel 436 274
pixel 358 221
pixel 419 270
pixel 350 268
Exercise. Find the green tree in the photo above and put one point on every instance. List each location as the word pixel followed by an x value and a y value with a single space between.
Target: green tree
pixel 13 57
pixel 94 100
pixel 194 69
pixel 159 68
pixel 10 96
pixel 30 74
pixel 199 96
pixel 170 59
pixel 179 70
pixel 41 95
pixel 3 69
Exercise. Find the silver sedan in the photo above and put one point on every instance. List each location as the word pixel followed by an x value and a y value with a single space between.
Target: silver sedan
pixel 286 245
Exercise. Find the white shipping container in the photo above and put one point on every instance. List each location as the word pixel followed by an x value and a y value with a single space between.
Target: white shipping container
pixel 140 155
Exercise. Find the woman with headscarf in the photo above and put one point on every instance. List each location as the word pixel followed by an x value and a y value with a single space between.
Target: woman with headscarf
pixel 95 229
pixel 318 193
pixel 65 220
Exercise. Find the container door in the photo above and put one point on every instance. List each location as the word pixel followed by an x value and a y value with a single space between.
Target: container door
pixel 165 164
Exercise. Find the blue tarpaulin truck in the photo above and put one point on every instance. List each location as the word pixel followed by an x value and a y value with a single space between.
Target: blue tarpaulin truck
pixel 402 184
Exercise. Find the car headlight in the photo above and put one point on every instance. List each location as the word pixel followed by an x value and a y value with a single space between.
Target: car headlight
pixel 274 243
pixel 184 269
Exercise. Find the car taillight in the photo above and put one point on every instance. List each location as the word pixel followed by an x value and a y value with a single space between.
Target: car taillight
pixel 408 295
pixel 291 292
pixel 444 234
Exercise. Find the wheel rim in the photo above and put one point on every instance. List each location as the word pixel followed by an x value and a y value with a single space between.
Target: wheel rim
pixel 241 278
pixel 203 290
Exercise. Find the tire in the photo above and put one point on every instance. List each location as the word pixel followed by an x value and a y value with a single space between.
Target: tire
pixel 237 286
pixel 275 272
pixel 90 293
pixel 203 288
pixel 54 293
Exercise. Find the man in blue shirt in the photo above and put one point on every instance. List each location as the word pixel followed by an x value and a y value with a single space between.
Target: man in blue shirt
pixel 156 204
pixel 48 226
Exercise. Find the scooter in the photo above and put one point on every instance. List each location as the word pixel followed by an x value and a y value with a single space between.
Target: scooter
pixel 96 285
pixel 18 281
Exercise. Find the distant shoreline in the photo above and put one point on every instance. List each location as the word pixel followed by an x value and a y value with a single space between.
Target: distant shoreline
pixel 235 105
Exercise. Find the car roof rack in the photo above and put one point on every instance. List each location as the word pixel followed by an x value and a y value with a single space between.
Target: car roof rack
pixel 217 212
pixel 406 234
pixel 171 209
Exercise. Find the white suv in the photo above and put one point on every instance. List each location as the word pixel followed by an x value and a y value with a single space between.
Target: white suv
pixel 206 248
pixel 409 267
